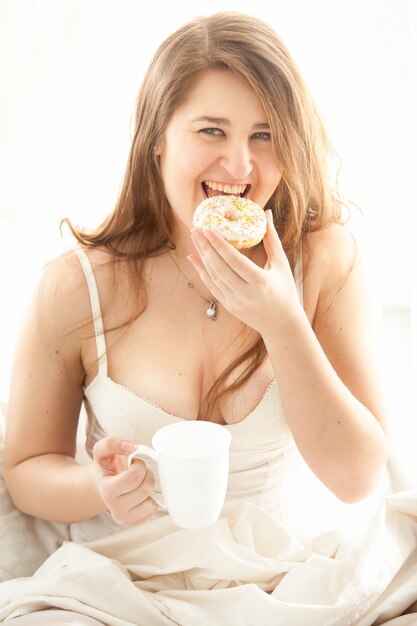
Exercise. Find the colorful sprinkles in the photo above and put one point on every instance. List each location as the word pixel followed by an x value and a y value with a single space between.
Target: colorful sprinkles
pixel 239 220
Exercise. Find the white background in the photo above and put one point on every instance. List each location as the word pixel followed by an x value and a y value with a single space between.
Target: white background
pixel 69 74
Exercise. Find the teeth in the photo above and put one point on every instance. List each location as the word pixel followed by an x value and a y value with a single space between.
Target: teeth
pixel 235 189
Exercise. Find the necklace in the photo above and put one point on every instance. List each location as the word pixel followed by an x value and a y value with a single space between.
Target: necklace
pixel 211 311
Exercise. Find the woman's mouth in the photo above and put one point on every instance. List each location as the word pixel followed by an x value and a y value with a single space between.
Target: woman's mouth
pixel 212 188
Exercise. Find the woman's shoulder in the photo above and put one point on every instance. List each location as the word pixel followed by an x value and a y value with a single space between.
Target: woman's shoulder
pixel 332 250
pixel 65 274
pixel 329 257
pixel 63 290
pixel 335 242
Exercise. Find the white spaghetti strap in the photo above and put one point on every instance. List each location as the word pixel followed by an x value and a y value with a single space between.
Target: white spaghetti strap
pixel 298 272
pixel 95 308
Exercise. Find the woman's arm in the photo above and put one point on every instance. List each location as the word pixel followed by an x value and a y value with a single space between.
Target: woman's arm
pixel 45 399
pixel 46 393
pixel 327 376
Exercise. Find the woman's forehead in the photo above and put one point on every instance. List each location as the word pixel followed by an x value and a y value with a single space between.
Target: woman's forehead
pixel 221 95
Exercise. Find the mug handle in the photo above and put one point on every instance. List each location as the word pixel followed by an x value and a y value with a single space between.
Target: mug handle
pixel 140 452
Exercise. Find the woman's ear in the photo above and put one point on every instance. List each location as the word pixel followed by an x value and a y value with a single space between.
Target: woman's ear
pixel 157 151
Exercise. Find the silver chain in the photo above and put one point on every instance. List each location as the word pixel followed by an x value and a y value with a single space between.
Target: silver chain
pixel 211 311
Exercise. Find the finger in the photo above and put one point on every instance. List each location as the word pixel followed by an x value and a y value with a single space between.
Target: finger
pixel 221 279
pixel 127 481
pixel 142 491
pixel 106 449
pixel 272 243
pixel 206 278
pixel 238 263
pixel 141 512
pixel 124 492
pixel 135 505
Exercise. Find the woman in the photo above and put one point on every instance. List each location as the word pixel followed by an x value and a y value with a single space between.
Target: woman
pixel 287 364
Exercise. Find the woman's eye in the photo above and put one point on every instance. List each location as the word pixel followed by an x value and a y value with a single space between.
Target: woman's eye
pixel 262 136
pixel 216 132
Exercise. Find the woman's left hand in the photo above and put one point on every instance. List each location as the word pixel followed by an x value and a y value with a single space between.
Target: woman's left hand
pixel 259 297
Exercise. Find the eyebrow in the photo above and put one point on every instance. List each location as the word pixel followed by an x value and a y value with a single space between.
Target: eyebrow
pixel 223 121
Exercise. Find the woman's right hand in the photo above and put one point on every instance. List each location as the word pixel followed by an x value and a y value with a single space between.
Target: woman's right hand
pixel 126 491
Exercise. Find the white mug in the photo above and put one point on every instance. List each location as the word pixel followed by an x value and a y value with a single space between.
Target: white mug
pixel 192 465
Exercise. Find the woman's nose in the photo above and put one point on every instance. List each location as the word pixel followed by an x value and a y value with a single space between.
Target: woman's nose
pixel 236 160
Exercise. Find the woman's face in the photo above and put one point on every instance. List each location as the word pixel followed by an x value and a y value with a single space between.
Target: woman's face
pixel 217 141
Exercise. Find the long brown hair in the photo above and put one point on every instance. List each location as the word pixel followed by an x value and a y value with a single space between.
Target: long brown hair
pixel 142 222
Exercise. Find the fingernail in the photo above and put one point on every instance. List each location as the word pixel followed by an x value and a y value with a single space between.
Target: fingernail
pixel 127 446
pixel 196 239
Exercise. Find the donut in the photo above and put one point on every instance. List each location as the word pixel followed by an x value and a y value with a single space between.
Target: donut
pixel 239 220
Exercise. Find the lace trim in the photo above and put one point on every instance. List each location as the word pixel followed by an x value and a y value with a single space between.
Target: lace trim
pixel 155 406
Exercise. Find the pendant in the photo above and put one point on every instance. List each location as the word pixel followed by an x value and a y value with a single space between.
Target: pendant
pixel 211 312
